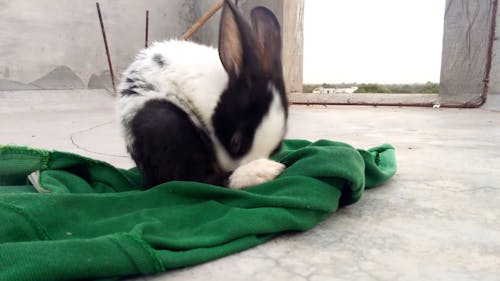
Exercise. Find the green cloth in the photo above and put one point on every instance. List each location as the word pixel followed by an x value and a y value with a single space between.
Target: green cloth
pixel 88 220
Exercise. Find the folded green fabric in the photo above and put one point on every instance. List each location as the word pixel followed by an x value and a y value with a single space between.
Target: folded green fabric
pixel 67 217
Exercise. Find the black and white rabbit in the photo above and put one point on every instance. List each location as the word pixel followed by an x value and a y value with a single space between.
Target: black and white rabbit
pixel 192 112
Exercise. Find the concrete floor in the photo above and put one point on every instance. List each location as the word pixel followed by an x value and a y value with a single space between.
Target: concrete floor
pixel 437 219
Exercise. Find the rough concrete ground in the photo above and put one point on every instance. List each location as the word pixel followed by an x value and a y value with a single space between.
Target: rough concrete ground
pixel 437 219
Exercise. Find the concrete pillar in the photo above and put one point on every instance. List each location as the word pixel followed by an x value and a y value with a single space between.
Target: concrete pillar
pixel 493 98
pixel 468 28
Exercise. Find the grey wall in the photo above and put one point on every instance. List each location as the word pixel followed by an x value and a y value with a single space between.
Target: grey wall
pixel 40 36
pixel 57 44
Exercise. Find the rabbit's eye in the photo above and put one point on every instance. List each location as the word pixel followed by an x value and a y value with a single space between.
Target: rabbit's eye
pixel 236 141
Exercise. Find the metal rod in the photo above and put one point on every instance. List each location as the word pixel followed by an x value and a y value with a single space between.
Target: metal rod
pixel 424 104
pixel 147 29
pixel 393 104
pixel 202 20
pixel 106 46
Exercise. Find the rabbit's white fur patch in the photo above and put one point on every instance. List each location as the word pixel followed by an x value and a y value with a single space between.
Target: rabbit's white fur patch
pixel 254 173
pixel 270 131
pixel 195 75
pixel 191 71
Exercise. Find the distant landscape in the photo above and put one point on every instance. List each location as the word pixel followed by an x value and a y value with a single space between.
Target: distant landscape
pixel 425 88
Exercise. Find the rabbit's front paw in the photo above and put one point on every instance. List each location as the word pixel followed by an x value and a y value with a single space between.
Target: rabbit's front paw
pixel 255 172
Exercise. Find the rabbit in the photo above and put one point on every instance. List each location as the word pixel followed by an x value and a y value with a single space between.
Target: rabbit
pixel 195 113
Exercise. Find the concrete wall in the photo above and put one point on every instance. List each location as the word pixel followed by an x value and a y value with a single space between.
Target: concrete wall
pixel 57 44
pixel 40 36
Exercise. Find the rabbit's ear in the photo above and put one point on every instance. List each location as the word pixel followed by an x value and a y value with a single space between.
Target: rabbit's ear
pixel 236 42
pixel 267 32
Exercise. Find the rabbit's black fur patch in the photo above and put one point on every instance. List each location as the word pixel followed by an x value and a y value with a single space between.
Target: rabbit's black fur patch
pixel 168 146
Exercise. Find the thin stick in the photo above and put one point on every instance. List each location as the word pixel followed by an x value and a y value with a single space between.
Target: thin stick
pixel 202 20
pixel 106 46
pixel 147 29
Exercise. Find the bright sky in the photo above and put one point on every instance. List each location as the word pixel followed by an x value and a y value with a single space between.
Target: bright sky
pixel 382 41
